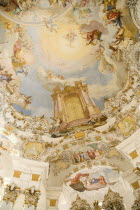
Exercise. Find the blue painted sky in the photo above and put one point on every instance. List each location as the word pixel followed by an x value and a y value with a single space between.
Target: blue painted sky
pixel 41 97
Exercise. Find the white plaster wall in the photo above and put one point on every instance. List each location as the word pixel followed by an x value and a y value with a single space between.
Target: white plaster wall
pixel 129 145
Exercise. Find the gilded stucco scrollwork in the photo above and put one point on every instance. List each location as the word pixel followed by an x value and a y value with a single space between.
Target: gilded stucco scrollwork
pixel 1 181
pixel 33 149
pixel 21 122
pixel 113 200
pixel 80 204
pixel 136 204
pixel 134 6
pixel 11 193
pixel 31 196
pixel 132 3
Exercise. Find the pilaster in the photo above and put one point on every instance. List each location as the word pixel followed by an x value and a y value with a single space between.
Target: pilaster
pixel 53 194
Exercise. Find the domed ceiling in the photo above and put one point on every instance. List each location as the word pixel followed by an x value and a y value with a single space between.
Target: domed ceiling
pixel 70 88
pixel 55 44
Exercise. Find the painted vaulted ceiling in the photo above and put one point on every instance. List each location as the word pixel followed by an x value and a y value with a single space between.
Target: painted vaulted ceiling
pixel 69 98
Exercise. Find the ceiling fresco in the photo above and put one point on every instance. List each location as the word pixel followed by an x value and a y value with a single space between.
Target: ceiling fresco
pixel 59 44
pixel 69 104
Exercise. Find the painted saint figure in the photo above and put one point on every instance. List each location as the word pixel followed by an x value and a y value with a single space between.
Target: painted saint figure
pixel 81 182
pixel 94 35
pixel 76 158
pixel 100 180
pixel 91 154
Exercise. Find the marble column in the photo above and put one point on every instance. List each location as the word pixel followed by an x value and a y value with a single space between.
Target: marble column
pixel 84 96
pixel 92 102
pixel 55 108
pixel 65 120
pixel 91 107
pixel 59 103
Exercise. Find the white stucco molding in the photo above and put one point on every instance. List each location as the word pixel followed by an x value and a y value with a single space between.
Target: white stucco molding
pixel 26 165
pixel 130 145
pixel 53 193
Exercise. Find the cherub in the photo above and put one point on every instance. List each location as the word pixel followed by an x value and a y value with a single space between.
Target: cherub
pixel 93 35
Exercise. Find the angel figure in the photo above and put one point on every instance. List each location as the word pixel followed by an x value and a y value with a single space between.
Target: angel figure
pixel 70 37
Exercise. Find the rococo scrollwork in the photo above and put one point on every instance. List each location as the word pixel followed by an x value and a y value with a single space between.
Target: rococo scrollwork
pixel 136 204
pixel 31 196
pixel 80 204
pixel 70 104
pixel 11 193
pixel 113 200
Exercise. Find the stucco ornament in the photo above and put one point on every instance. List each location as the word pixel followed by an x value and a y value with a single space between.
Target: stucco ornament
pixel 24 5
pixel 131 3
pixel 96 206
pixel 33 149
pixel 1 181
pixel 113 201
pixel 134 6
pixel 31 196
pixel 11 193
pixel 137 169
pixel 136 205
